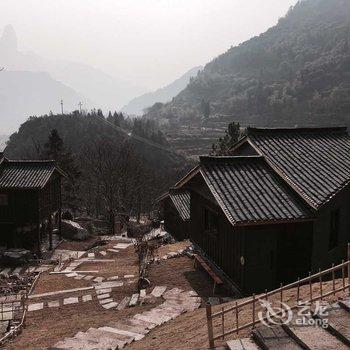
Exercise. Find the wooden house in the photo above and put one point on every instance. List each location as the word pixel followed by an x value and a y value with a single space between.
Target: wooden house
pixel 274 210
pixel 175 210
pixel 30 203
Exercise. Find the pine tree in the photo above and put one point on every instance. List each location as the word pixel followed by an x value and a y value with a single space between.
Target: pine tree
pixel 232 134
pixel 54 150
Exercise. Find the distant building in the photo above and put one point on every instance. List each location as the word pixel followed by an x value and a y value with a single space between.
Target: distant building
pixel 274 210
pixel 175 210
pixel 30 203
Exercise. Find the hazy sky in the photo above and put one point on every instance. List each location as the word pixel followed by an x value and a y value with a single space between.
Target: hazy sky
pixel 147 42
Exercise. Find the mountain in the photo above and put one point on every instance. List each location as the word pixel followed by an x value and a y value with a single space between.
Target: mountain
pixel 101 89
pixel 138 105
pixel 3 140
pixel 24 94
pixel 297 72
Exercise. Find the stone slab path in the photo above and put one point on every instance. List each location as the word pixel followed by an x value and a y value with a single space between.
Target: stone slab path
pixel 60 302
pixel 63 254
pixel 158 291
pixel 122 245
pixel 22 269
pixel 58 292
pixel 117 335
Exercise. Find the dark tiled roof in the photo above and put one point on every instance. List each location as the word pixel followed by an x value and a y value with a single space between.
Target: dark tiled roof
pixel 248 190
pixel 181 200
pixel 315 161
pixel 26 174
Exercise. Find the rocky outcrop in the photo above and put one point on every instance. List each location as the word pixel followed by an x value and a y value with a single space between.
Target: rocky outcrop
pixel 74 231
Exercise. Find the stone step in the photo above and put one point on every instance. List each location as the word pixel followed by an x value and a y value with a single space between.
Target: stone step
pixel 345 304
pixel 123 304
pixel 142 323
pixel 76 344
pixel 113 250
pixel 338 320
pixel 171 311
pixel 158 291
pixel 110 305
pixel 106 285
pixel 103 296
pixel 126 326
pixel 156 317
pixel 242 344
pixel 105 340
pixel 133 335
pixel 134 299
pixel 105 301
pixel 122 245
pixel 313 337
pixel 274 338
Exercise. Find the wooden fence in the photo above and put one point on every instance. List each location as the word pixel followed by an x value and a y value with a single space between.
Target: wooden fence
pixel 18 310
pixel 224 321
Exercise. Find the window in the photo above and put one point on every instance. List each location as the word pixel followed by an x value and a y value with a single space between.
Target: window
pixel 3 200
pixel 334 229
pixel 210 220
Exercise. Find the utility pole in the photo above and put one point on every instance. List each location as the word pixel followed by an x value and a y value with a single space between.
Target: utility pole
pixel 80 104
pixel 62 107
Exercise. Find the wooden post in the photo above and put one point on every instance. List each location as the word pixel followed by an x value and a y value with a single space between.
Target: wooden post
pixel 223 323
pixel 50 231
pixel 281 291
pixel 38 239
pixel 343 274
pixel 298 290
pixel 320 277
pixel 310 286
pixel 237 326
pixel 210 326
pixel 253 310
pixel 333 279
pixel 349 267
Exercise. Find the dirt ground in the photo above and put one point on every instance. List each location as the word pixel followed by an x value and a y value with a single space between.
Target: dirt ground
pixel 76 245
pixel 189 331
pixel 45 327
pixel 165 249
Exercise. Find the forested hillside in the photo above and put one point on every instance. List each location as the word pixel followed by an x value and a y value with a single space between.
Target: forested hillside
pixel 298 72
pixel 108 169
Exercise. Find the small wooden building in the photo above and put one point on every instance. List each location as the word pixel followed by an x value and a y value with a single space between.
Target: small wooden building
pixel 274 210
pixel 30 203
pixel 175 210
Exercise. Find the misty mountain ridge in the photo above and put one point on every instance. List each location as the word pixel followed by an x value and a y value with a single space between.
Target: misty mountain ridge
pixel 24 94
pixel 297 72
pixel 3 140
pixel 73 82
pixel 138 105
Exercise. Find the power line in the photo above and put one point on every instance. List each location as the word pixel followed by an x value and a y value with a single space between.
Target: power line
pixel 136 137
